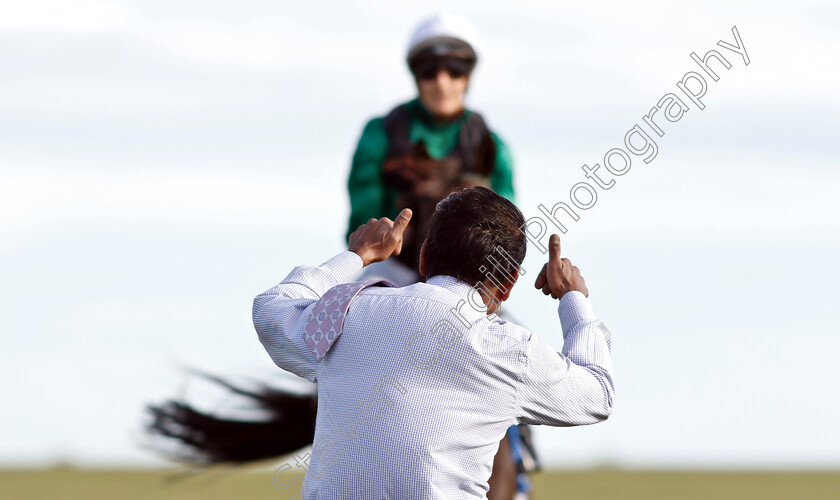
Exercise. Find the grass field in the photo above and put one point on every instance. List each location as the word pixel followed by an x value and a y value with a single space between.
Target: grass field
pixel 68 483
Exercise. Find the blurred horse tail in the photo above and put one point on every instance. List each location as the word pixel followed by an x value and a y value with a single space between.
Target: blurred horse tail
pixel 205 438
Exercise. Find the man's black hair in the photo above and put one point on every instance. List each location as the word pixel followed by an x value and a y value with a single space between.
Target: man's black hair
pixel 465 231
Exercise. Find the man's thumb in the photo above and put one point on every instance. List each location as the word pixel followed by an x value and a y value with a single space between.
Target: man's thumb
pixel 402 221
pixel 554 246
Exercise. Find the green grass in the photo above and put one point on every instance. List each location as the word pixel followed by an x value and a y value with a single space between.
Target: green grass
pixel 645 485
pixel 68 483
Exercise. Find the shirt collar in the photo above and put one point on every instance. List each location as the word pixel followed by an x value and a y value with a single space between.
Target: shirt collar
pixel 451 283
pixel 462 290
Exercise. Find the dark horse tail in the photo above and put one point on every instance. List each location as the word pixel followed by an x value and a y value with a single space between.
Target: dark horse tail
pixel 204 438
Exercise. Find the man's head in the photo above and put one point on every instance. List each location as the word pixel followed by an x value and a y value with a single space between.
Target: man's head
pixel 441 55
pixel 464 233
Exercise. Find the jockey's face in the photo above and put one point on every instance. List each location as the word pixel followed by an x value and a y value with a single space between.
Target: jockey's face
pixel 443 95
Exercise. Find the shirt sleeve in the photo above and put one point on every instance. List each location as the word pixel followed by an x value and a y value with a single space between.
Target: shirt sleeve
pixel 365 185
pixel 280 313
pixel 575 386
pixel 501 179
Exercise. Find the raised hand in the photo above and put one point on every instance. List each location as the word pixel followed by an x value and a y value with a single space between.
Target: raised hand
pixel 558 275
pixel 379 238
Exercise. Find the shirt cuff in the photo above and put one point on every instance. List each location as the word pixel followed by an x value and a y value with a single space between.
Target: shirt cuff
pixel 345 266
pixel 574 308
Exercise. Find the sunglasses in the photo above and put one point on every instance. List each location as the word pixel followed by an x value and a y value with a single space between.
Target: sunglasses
pixel 429 69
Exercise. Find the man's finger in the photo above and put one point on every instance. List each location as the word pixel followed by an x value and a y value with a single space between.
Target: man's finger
pixel 554 246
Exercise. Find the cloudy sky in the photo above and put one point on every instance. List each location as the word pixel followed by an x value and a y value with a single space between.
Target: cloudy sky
pixel 161 163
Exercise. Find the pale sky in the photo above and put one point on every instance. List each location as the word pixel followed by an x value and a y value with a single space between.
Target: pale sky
pixel 161 163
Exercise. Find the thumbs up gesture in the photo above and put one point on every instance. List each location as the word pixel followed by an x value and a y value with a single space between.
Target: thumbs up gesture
pixel 558 275
pixel 379 238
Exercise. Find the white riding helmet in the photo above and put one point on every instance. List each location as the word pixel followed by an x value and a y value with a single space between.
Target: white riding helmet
pixel 443 35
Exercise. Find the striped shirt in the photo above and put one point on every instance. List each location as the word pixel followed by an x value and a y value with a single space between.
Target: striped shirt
pixel 417 392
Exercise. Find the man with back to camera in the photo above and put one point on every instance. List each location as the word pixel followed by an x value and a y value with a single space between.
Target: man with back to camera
pixel 417 385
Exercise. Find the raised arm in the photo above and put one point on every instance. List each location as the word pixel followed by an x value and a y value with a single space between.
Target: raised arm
pixel 575 386
pixel 280 313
